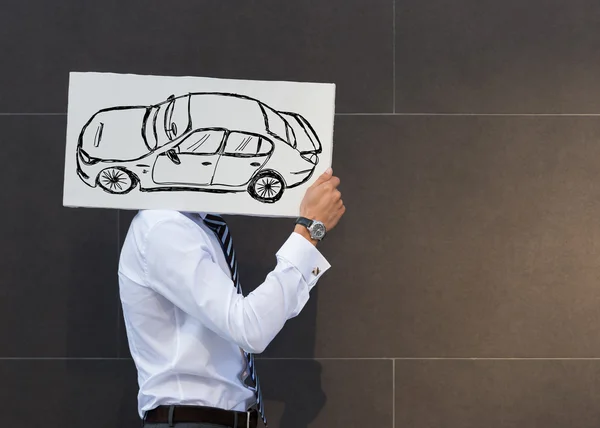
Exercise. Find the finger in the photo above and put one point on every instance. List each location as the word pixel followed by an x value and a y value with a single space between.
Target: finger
pixel 330 184
pixel 337 195
pixel 323 178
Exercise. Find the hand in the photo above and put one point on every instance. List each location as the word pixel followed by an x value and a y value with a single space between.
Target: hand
pixel 323 201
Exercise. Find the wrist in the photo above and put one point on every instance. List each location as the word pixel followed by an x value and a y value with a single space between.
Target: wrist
pixel 303 231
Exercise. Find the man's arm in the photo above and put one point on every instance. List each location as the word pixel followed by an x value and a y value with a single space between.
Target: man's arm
pixel 179 266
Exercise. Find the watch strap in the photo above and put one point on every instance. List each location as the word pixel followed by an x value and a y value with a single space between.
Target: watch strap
pixel 304 222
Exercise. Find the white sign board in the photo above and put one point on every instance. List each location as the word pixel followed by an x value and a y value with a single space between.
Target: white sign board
pixel 195 144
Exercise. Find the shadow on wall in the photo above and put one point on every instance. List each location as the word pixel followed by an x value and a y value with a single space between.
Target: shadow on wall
pixel 296 384
pixel 100 391
pixel 92 284
pixel 290 377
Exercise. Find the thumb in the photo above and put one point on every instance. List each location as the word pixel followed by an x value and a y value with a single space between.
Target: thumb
pixel 323 178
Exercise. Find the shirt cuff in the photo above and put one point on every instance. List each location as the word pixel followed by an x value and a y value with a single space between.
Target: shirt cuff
pixel 305 257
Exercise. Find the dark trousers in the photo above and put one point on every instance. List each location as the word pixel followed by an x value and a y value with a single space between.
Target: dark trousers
pixel 184 425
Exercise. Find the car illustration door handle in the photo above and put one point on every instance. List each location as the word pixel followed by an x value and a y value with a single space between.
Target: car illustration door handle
pixel 172 154
pixel 255 164
pixel 206 163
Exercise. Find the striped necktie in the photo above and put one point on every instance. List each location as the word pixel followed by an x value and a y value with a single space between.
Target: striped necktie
pixel 220 228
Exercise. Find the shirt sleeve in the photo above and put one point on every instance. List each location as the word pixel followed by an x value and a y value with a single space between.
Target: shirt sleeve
pixel 178 265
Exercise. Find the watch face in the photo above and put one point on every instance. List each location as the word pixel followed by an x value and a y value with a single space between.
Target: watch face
pixel 317 231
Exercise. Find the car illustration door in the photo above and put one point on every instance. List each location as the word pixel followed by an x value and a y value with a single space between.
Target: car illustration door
pixel 192 162
pixel 242 156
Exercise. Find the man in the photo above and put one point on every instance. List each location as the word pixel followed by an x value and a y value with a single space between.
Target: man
pixel 191 332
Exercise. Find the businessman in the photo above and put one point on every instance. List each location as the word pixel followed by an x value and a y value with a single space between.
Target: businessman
pixel 191 332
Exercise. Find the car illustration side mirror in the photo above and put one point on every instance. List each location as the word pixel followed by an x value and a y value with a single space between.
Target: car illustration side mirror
pixel 172 155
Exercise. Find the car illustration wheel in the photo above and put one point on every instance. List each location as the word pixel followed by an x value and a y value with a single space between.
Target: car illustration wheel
pixel 267 187
pixel 116 180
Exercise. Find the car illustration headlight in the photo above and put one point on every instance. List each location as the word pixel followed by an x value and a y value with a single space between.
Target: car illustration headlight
pixel 310 157
pixel 86 159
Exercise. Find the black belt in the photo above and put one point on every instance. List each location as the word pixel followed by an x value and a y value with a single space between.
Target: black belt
pixel 209 415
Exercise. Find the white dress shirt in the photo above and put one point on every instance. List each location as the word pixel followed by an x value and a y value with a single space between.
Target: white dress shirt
pixel 185 321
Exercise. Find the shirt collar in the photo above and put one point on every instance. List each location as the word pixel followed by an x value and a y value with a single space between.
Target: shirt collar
pixel 193 214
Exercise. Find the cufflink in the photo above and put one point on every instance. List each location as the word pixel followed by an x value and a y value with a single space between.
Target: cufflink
pixel 316 271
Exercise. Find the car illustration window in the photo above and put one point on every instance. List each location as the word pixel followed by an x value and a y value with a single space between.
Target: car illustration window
pixel 277 126
pixel 202 142
pixel 246 145
pixel 291 136
pixel 176 117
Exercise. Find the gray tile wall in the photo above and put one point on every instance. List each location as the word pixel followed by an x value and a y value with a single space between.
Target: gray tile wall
pixel 464 288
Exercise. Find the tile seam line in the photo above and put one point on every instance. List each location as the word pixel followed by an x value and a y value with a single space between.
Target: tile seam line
pixel 394 56
pixel 331 359
pixel 396 114
pixel 64 359
pixel 431 359
pixel 393 393
pixel 474 114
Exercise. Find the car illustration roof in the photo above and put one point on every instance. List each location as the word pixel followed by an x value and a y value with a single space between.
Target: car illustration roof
pixel 234 112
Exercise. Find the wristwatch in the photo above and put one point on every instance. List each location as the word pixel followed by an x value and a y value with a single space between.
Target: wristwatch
pixel 316 228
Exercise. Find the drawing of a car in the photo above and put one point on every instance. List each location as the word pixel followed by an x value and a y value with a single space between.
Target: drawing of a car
pixel 216 142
